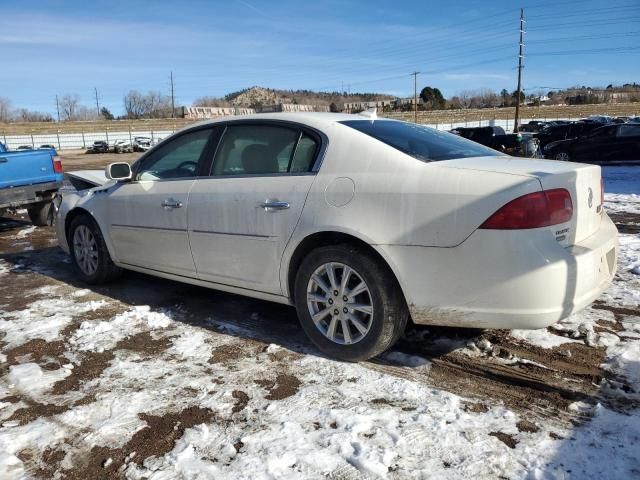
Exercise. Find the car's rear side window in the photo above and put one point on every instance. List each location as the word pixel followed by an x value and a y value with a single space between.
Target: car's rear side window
pixel 423 143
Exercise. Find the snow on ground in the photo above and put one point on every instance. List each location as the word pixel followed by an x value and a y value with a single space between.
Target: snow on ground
pixel 281 413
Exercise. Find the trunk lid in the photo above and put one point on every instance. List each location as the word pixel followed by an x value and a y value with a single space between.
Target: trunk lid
pixel 581 180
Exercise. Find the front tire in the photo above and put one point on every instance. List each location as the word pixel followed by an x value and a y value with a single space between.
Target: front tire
pixel 563 156
pixel 89 253
pixel 349 303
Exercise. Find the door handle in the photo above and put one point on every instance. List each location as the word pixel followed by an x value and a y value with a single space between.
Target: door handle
pixel 275 205
pixel 170 203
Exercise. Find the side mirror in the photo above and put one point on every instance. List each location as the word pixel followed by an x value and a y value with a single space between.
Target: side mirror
pixel 118 171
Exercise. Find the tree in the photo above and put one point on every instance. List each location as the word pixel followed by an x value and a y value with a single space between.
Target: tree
pixel 514 96
pixel 106 114
pixel 505 98
pixel 5 109
pixel 68 106
pixel 432 98
pixel 134 104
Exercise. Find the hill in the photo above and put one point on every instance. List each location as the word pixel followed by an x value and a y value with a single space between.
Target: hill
pixel 258 96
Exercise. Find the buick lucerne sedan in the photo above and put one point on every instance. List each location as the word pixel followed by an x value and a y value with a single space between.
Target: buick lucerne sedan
pixel 360 223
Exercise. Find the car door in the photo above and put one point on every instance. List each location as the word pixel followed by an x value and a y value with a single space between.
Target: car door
pixel 596 146
pixel 242 216
pixel 148 216
pixel 628 140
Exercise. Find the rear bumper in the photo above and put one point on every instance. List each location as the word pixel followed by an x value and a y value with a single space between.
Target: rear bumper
pixel 520 279
pixel 15 197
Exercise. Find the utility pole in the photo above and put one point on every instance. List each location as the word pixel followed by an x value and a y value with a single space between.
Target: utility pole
pixel 173 101
pixel 97 103
pixel 58 108
pixel 519 89
pixel 415 96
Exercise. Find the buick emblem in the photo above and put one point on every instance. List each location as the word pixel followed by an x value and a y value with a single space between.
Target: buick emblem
pixel 590 202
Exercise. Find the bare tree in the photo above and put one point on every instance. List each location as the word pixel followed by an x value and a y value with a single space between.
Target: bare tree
pixel 5 109
pixel 134 104
pixel 68 106
pixel 25 115
pixel 211 102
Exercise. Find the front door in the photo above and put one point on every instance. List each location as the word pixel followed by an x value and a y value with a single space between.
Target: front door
pixel 242 216
pixel 148 216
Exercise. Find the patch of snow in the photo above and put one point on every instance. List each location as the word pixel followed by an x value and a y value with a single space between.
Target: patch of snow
pixel 26 231
pixel 43 319
pixel 30 379
pixel 100 335
pixel 541 338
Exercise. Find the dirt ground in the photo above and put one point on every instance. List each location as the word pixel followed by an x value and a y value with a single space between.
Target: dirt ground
pixel 538 383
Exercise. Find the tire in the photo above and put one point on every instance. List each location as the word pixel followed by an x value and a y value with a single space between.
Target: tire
pixel 42 214
pixel 389 313
pixel 100 269
pixel 562 155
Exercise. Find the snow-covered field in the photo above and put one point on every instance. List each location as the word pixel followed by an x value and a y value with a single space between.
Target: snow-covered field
pixel 151 379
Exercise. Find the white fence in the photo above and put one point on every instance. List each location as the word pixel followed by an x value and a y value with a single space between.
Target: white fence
pixel 74 141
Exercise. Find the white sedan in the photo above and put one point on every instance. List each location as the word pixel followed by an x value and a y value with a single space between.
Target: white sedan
pixel 361 223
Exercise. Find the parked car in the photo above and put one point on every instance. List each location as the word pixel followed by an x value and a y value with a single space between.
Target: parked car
pixel 533 126
pixel 520 145
pixel 122 146
pixel 141 144
pixel 566 131
pixel 359 222
pixel 613 143
pixel 99 146
pixel 24 147
pixel 46 146
pixel 30 179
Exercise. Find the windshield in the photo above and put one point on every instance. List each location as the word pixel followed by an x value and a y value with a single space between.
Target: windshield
pixel 423 143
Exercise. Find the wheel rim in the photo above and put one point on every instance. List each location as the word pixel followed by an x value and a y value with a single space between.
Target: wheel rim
pixel 85 249
pixel 562 156
pixel 340 303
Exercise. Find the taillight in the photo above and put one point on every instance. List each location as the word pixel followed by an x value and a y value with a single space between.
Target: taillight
pixel 57 164
pixel 534 210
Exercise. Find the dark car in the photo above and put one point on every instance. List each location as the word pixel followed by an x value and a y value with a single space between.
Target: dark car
pixel 99 146
pixel 520 145
pixel 610 144
pixel 553 133
pixel 533 126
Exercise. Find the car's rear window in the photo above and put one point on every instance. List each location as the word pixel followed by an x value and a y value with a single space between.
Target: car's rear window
pixel 423 143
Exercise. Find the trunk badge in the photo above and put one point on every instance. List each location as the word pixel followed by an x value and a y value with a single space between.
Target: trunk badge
pixel 590 202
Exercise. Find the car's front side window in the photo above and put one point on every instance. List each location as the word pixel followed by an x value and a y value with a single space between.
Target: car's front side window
pixel 263 150
pixel 175 159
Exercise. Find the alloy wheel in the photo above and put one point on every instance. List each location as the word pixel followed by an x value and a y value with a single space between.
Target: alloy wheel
pixel 85 249
pixel 340 303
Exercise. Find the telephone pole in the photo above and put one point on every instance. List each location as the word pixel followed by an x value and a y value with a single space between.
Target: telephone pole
pixel 173 101
pixel 97 103
pixel 519 89
pixel 58 108
pixel 415 96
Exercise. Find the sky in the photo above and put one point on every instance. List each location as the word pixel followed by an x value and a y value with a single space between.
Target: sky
pixel 217 47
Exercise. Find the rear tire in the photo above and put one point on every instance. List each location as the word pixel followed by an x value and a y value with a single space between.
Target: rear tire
pixel 352 334
pixel 563 156
pixel 41 215
pixel 89 253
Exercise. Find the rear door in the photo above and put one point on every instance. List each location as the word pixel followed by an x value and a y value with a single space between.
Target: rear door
pixel 148 216
pixel 595 147
pixel 242 216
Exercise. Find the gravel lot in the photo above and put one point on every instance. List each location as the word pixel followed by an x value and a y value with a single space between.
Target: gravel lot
pixel 147 378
